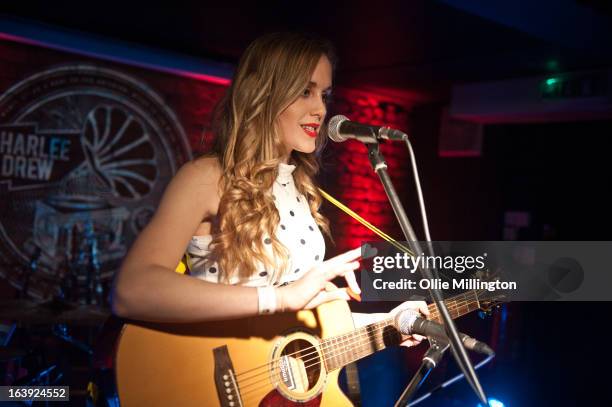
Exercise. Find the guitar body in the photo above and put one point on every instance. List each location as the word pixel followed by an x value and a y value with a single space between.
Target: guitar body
pixel 260 361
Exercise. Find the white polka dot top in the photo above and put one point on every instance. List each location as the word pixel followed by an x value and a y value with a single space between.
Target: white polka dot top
pixel 297 231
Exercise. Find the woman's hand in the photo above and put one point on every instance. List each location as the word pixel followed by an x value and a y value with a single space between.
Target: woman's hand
pixel 420 306
pixel 315 287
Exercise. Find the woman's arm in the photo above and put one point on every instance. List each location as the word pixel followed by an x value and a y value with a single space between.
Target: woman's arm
pixel 147 288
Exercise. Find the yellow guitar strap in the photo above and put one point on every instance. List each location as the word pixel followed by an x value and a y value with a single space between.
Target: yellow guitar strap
pixel 182 266
pixel 364 222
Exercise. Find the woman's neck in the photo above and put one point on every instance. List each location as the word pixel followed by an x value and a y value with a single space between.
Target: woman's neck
pixel 285 158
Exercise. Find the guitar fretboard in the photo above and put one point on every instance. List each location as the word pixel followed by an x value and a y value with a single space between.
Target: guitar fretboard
pixel 341 350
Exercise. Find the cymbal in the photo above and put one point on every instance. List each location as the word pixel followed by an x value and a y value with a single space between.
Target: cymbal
pixel 52 312
pixel 11 353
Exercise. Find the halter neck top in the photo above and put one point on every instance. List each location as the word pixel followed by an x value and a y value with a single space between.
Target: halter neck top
pixel 297 231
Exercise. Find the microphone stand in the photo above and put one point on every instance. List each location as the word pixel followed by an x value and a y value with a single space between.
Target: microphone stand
pixel 429 362
pixel 380 167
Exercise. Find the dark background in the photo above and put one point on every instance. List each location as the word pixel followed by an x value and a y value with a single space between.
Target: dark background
pixel 555 167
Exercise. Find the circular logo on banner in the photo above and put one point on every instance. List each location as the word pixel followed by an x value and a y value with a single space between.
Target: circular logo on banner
pixel 85 153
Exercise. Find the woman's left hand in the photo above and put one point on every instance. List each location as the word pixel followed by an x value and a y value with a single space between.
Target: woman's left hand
pixel 420 306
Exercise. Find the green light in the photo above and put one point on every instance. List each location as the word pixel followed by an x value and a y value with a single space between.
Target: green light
pixel 551 81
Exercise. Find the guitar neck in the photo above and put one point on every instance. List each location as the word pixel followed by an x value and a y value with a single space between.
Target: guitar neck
pixel 341 350
pixel 457 306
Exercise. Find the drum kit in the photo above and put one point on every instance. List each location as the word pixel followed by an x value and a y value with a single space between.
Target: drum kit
pixel 73 316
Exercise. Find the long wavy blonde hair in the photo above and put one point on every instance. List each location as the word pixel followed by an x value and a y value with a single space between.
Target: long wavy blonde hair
pixel 272 73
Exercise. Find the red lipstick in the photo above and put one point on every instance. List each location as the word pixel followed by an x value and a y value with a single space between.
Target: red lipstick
pixel 310 133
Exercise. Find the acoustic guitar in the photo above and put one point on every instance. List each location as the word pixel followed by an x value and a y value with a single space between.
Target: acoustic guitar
pixel 279 360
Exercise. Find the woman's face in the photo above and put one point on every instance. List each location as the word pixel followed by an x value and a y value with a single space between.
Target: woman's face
pixel 300 122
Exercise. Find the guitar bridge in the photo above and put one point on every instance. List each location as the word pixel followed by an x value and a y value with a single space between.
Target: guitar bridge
pixel 225 379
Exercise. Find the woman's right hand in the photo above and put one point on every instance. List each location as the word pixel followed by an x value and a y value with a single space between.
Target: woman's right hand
pixel 315 287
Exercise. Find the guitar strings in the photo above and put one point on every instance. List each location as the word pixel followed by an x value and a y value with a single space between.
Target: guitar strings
pixel 458 304
pixel 323 357
pixel 350 339
pixel 452 304
pixel 354 341
pixel 269 385
pixel 254 391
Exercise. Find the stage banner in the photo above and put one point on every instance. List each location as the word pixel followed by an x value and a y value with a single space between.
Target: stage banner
pixel 86 151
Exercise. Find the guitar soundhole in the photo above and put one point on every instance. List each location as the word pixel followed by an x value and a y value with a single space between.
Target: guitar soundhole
pixel 299 366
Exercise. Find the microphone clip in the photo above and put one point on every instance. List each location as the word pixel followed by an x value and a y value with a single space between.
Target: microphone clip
pixel 436 351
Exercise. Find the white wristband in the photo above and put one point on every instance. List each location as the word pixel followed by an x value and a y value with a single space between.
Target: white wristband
pixel 267 300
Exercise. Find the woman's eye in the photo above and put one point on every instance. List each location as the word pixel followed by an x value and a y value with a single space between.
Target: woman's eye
pixel 306 92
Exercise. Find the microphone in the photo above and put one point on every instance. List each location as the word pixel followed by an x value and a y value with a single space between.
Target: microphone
pixel 340 129
pixel 409 322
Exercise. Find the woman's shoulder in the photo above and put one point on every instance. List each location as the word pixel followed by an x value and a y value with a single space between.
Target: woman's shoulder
pixel 198 181
pixel 200 172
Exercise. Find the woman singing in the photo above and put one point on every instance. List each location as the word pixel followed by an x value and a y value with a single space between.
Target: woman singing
pixel 247 214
